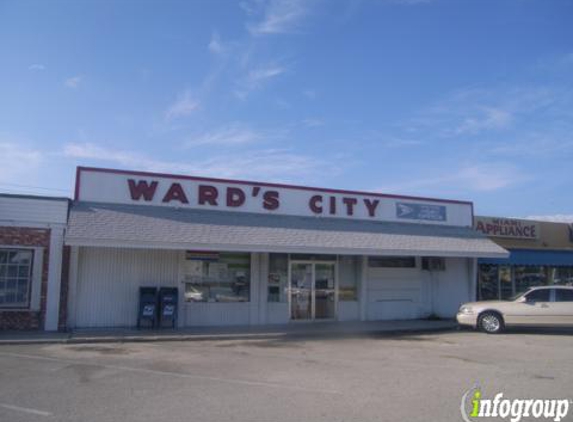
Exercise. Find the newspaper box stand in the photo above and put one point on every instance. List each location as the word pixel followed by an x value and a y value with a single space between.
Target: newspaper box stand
pixel 147 314
pixel 168 306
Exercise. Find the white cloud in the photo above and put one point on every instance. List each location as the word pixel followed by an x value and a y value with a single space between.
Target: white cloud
pixel 36 67
pixel 476 111
pixel 19 163
pixel 536 145
pixel 215 45
pixel 557 218
pixel 401 143
pixel 278 16
pixel 256 78
pixel 309 93
pixel 313 122
pixel 484 118
pixel 182 107
pixel 277 165
pixel 475 177
pixel 73 82
pixel 231 135
pixel 260 75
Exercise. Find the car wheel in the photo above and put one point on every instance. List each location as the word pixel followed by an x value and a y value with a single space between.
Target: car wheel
pixel 491 322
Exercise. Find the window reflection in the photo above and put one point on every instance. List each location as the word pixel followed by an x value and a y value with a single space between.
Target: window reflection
pixel 217 277
pixel 488 282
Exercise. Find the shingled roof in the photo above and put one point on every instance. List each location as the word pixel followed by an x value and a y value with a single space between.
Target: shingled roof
pixel 145 226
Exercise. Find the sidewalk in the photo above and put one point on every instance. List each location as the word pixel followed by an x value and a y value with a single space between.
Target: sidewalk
pixel 296 330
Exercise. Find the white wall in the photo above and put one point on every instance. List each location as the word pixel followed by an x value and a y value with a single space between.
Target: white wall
pixel 108 281
pixel 112 187
pixel 394 293
pixel 38 212
pixel 107 289
pixel 408 293
pixel 452 287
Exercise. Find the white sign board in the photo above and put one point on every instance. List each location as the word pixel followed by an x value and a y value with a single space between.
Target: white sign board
pixel 123 187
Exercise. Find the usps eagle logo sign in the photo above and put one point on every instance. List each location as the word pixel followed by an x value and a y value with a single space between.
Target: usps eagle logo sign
pixel 404 211
pixel 426 212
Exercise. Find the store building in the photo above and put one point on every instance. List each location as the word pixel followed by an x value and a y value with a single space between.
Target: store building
pixel 260 253
pixel 32 262
pixel 541 253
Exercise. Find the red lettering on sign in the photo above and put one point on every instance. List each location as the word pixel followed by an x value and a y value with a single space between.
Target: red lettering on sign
pixel 349 202
pixel 142 188
pixel 235 197
pixel 175 192
pixel 332 201
pixel 208 195
pixel 371 205
pixel 271 200
pixel 315 204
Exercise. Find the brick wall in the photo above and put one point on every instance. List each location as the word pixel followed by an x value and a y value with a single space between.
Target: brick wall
pixel 12 319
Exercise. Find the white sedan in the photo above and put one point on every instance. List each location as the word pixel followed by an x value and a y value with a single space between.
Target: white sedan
pixel 548 306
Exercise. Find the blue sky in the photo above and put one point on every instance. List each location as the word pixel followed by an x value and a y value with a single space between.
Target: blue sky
pixel 456 99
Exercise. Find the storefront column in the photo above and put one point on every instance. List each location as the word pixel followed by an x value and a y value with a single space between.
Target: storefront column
pixel 73 286
pixel 54 279
pixel 263 283
pixel 254 290
pixel 473 278
pixel 363 288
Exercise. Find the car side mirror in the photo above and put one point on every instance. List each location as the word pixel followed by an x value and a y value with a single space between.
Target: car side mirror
pixel 522 299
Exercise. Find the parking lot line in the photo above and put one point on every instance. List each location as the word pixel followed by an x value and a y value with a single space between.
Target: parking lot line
pixel 26 410
pixel 174 374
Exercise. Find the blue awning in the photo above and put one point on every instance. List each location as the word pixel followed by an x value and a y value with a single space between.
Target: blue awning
pixel 533 257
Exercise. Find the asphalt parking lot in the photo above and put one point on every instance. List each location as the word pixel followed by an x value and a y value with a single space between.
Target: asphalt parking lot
pixel 414 377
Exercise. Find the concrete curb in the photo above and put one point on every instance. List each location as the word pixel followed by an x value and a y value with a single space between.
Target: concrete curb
pixel 278 335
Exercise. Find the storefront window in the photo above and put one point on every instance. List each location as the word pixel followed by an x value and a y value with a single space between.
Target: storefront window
pixel 217 277
pixel 15 277
pixel 505 282
pixel 561 275
pixel 526 277
pixel 348 271
pixel 278 278
pixel 488 287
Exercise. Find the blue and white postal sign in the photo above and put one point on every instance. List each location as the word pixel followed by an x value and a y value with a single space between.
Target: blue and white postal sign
pixel 426 212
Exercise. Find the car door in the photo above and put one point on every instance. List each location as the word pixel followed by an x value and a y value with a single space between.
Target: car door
pixel 533 309
pixel 562 307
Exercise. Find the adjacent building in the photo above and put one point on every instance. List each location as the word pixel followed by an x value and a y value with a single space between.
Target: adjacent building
pixel 541 253
pixel 32 262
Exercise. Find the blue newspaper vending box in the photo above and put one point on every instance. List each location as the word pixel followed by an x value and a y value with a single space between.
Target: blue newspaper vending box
pixel 147 313
pixel 168 299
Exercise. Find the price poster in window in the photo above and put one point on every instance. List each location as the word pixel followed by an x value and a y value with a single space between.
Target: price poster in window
pixel 193 269
pixel 218 270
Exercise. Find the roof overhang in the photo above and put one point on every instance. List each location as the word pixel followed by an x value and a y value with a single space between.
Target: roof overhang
pixel 151 227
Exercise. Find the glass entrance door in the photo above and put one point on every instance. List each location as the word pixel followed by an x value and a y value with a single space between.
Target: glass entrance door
pixel 312 290
pixel 324 291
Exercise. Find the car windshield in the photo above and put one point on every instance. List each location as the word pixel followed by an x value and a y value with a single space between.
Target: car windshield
pixel 516 296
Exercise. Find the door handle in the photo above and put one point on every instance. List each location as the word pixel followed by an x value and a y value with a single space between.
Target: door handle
pixel 544 305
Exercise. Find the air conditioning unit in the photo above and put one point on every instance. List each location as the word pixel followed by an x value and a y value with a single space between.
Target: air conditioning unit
pixel 433 264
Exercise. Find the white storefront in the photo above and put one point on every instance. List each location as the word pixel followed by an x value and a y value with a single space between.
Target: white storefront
pixel 244 253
